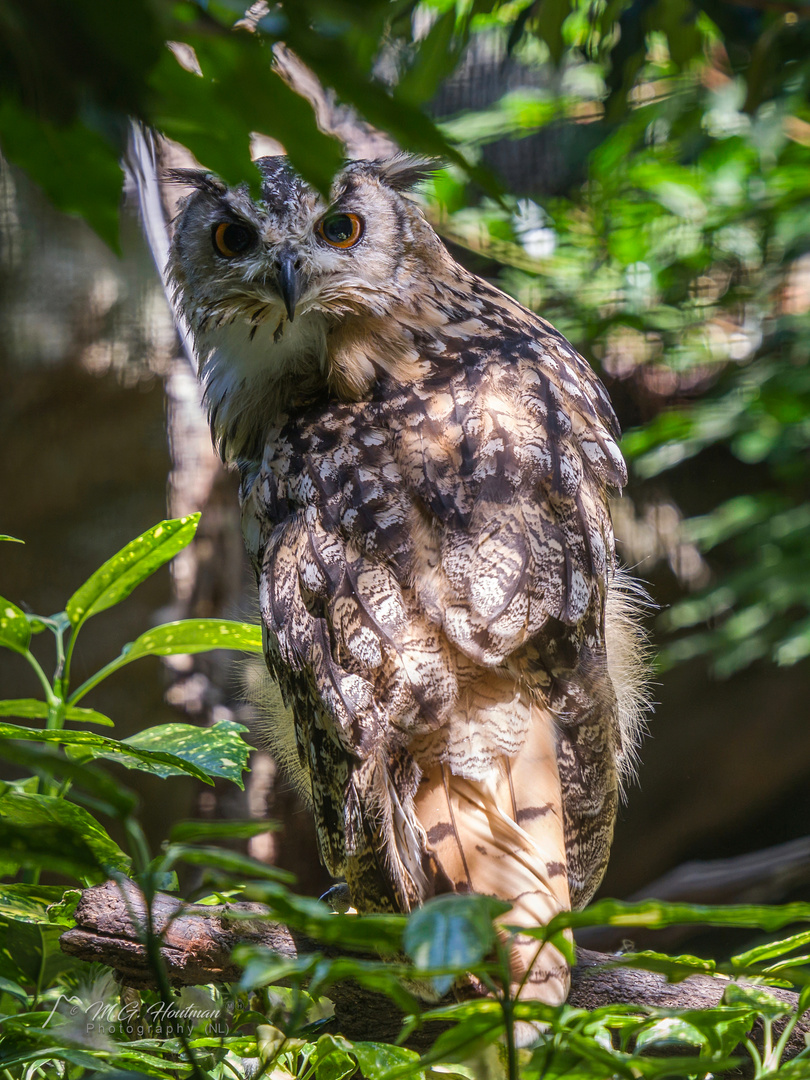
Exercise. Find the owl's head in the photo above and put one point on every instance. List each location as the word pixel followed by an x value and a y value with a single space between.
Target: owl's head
pixel 274 288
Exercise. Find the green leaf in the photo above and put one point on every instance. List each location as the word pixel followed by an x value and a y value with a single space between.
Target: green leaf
pixel 179 638
pixel 270 1040
pixel 238 92
pixel 378 1059
pixel 86 744
pixel 216 751
pixel 671 1031
pixel 47 904
pixel 33 708
pixel 31 1055
pixel 135 562
pixel 675 968
pixel 452 931
pixel 15 631
pixel 406 122
pixel 434 60
pixel 771 949
pixel 24 708
pixel 263 967
pixel 548 22
pixel 332 1059
pixel 78 169
pixel 108 795
pixel 466 1039
pixel 234 863
pixel 195 635
pixel 11 539
pixel 375 975
pixel 656 914
pixel 7 986
pixel 361 933
pixel 78 715
pixel 755 997
pixel 45 832
pixel 185 831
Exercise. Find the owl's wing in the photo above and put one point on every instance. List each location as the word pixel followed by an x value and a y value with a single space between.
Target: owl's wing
pixel 512 455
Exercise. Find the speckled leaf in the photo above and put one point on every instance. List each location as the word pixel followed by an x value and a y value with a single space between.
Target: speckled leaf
pixel 193 636
pixel 15 633
pixel 116 579
pixel 216 751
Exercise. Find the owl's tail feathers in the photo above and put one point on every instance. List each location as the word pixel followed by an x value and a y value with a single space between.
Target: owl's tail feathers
pixel 495 836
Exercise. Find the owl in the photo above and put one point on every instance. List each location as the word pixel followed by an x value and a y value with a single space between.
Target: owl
pixel 425 470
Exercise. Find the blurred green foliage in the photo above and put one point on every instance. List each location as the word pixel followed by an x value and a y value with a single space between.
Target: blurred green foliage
pixel 673 246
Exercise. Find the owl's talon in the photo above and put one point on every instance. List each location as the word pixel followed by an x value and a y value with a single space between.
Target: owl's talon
pixel 339 898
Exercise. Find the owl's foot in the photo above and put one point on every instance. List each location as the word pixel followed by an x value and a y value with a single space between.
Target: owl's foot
pixel 339 898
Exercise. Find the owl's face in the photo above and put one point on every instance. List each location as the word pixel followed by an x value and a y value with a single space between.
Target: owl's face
pixel 264 284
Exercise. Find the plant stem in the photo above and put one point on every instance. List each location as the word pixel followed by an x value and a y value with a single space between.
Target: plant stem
pixel 509 1023
pixel 41 971
pixel 757 1060
pixel 59 673
pixel 152 940
pixel 50 696
pixel 767 1044
pixel 69 657
pixel 507 1004
pixel 94 680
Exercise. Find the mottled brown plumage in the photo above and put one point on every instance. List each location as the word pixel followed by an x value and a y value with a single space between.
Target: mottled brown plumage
pixel 425 471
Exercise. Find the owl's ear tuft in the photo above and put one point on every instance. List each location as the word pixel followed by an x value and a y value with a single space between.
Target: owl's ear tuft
pixel 404 171
pixel 196 178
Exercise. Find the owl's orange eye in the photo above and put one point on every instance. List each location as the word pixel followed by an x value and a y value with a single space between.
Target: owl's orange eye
pixel 341 230
pixel 231 239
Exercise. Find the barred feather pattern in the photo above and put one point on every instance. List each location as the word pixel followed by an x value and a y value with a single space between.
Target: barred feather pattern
pixel 424 499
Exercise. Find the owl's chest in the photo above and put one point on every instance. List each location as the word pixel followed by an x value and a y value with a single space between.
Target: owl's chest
pixel 336 469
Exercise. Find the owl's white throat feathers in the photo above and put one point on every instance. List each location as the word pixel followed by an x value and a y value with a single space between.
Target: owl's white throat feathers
pixel 248 369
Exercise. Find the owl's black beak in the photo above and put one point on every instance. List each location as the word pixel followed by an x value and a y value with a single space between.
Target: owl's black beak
pixel 289 281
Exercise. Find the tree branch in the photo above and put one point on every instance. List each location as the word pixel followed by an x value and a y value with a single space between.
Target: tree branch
pixel 198 941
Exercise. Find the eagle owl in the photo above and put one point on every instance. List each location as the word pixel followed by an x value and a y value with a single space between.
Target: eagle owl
pixel 425 467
